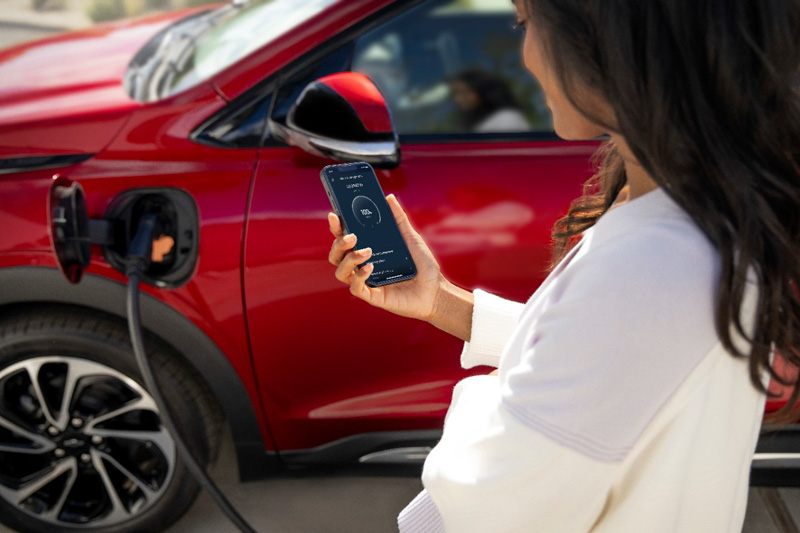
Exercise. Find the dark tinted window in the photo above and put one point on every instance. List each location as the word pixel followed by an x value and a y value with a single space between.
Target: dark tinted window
pixel 454 67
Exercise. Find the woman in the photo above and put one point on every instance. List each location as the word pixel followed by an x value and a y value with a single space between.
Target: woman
pixel 486 103
pixel 631 384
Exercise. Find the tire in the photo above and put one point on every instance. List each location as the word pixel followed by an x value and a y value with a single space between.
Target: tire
pixel 105 463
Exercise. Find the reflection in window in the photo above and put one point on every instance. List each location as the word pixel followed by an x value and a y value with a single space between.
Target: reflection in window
pixel 485 103
pixel 454 67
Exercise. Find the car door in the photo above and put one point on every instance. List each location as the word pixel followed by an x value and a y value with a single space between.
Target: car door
pixel 482 185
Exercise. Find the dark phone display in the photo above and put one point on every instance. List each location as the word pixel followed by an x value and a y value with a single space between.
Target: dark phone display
pixel 361 204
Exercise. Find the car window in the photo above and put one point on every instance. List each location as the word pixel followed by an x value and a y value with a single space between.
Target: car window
pixel 238 34
pixel 454 66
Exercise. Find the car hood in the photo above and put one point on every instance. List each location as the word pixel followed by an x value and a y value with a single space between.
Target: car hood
pixel 64 94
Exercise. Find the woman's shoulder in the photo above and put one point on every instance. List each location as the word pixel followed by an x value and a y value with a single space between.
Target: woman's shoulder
pixel 619 329
pixel 650 239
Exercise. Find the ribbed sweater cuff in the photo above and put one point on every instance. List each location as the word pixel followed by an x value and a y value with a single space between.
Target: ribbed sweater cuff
pixel 420 516
pixel 493 321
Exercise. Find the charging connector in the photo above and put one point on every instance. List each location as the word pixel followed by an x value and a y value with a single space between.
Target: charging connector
pixel 176 234
pixel 137 261
pixel 140 249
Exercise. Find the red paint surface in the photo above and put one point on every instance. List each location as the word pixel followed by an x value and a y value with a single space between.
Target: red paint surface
pixel 779 394
pixel 64 94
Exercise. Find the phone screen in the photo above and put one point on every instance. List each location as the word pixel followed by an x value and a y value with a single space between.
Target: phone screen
pixel 359 201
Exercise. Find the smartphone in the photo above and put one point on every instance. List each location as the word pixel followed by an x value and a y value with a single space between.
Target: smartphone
pixel 357 197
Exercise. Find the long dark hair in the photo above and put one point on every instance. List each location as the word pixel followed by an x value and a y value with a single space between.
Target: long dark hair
pixel 493 91
pixel 706 94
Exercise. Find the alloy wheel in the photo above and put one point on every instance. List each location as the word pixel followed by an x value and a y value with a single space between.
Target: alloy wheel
pixel 81 444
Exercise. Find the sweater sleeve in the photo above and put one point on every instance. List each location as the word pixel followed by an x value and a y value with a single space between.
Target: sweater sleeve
pixel 493 321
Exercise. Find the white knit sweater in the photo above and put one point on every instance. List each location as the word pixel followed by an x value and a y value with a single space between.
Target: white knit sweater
pixel 616 408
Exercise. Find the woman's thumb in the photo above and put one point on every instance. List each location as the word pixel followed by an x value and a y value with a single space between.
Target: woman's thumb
pixel 399 215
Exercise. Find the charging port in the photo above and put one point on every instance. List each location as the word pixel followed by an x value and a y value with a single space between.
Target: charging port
pixel 175 240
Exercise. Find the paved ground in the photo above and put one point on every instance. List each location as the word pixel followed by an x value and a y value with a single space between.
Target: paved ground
pixel 350 504
pixel 303 504
pixel 330 503
pixel 320 502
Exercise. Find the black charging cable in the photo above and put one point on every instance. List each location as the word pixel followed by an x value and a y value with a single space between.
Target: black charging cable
pixel 137 261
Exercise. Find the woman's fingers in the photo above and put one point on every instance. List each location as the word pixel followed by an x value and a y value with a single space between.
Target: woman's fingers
pixel 358 286
pixel 344 271
pixel 342 243
pixel 340 248
pixel 346 260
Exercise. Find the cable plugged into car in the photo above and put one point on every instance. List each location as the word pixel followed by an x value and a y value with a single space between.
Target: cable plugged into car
pixel 175 245
pixel 151 236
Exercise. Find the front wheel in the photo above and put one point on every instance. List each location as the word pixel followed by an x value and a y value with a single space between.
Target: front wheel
pixel 82 447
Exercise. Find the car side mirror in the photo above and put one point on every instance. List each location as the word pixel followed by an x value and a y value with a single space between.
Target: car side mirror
pixel 344 117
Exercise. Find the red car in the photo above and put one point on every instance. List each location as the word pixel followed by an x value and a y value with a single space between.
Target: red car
pixel 246 323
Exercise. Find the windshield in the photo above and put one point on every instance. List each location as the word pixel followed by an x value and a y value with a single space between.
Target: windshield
pixel 197 49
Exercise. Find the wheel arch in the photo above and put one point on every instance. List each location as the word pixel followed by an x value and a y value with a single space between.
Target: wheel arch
pixel 32 285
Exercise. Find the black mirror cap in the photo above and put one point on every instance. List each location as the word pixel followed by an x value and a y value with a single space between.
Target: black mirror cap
pixel 345 106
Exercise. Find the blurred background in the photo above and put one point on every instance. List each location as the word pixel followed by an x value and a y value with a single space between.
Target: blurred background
pixel 22 20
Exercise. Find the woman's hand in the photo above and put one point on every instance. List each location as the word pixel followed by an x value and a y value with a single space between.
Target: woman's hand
pixel 415 298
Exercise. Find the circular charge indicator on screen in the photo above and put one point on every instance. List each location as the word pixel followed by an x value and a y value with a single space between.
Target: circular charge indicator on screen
pixel 366 212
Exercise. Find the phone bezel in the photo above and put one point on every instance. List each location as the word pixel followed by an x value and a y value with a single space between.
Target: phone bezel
pixel 336 208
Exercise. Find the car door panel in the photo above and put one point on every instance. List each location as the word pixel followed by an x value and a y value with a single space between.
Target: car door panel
pixel 330 365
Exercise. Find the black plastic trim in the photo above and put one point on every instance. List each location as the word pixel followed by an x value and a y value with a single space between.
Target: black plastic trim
pixel 25 285
pixel 350 449
pixel 775 476
pixel 784 439
pixel 779 439
pixel 347 451
pixel 234 126
pixel 11 165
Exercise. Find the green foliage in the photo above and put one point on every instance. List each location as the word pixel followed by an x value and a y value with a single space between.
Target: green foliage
pixel 105 10
pixel 41 5
pixel 191 3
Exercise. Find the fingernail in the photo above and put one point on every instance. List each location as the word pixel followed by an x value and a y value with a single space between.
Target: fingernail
pixel 365 251
pixel 369 267
pixel 349 237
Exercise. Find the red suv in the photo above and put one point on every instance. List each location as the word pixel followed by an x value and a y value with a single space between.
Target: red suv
pixel 244 319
